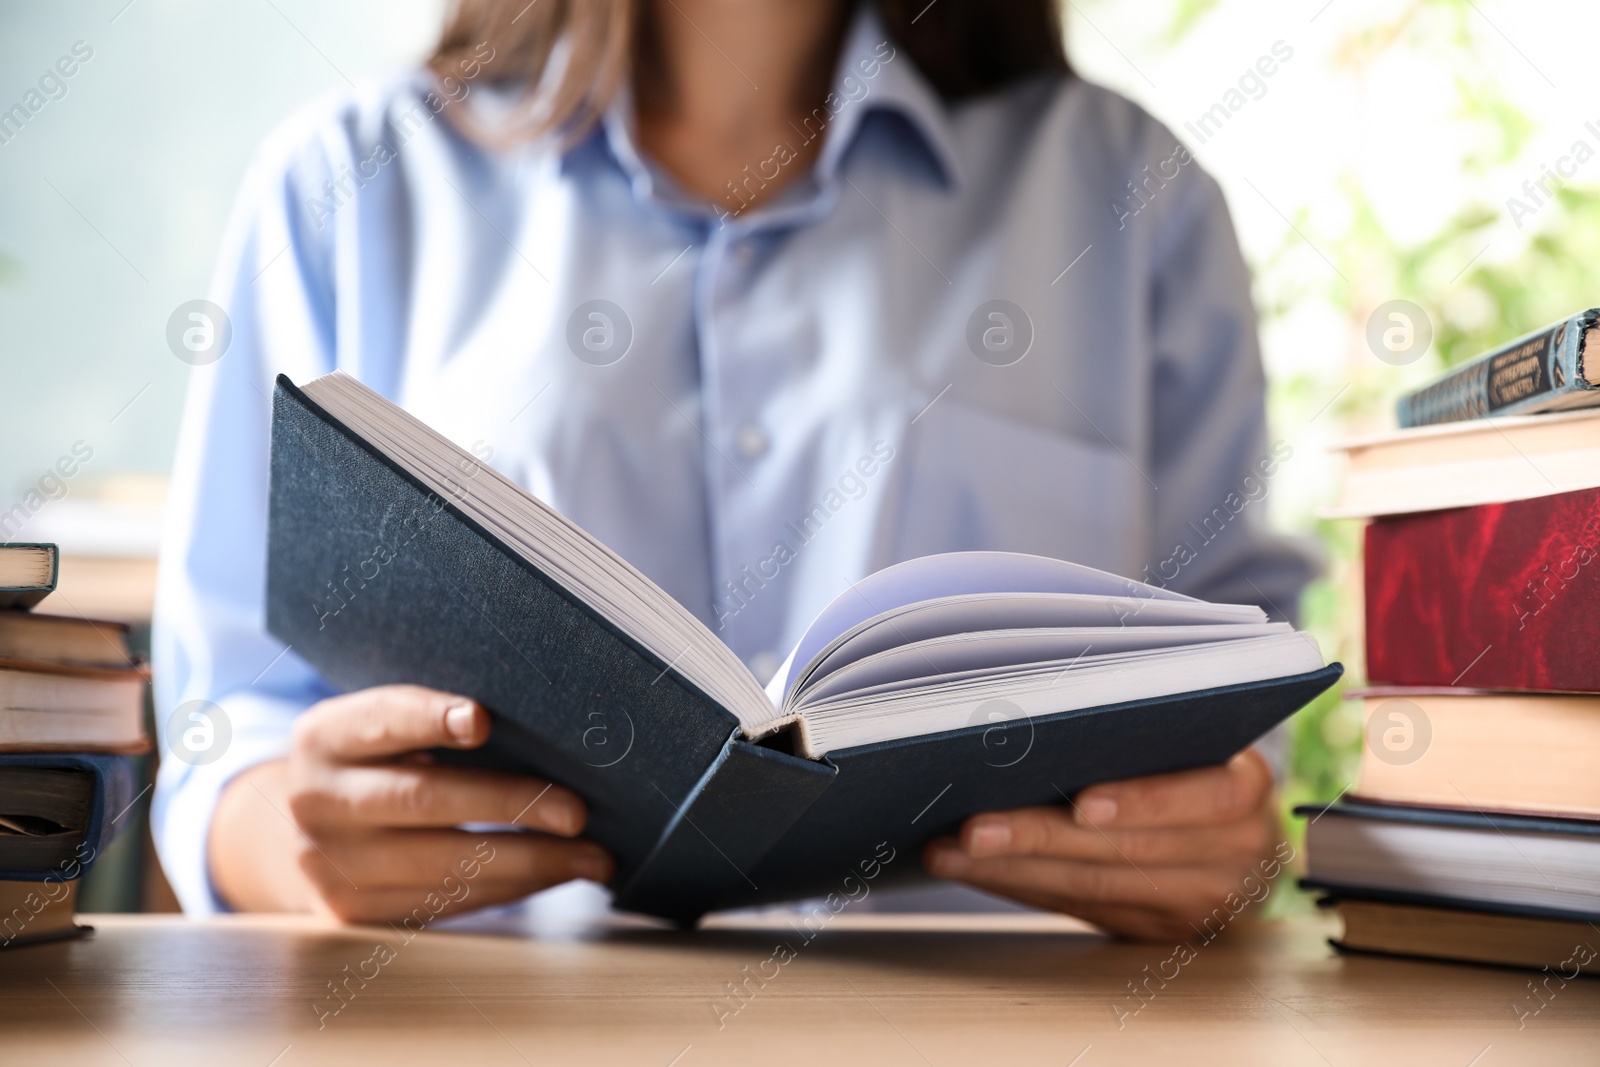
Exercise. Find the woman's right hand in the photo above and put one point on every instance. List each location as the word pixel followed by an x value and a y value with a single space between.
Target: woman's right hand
pixel 358 823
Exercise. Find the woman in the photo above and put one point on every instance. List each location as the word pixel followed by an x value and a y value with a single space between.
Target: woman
pixel 674 266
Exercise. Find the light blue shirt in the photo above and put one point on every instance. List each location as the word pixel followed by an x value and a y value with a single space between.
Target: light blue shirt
pixel 1017 323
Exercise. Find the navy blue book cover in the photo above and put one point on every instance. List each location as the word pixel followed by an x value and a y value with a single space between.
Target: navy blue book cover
pixel 115 780
pixel 1459 818
pixel 13 597
pixel 1453 818
pixel 1548 370
pixel 375 578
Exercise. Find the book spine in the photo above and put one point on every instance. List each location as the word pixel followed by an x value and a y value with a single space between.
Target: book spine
pixel 116 777
pixel 747 801
pixel 1527 375
pixel 1498 596
pixel 23 597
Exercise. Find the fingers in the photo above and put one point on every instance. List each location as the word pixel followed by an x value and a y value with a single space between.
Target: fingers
pixel 332 790
pixel 1072 880
pixel 1143 924
pixel 1144 858
pixel 1201 797
pixel 1179 894
pixel 339 901
pixel 1139 924
pixel 342 903
pixel 442 861
pixel 1052 831
pixel 348 797
pixel 387 721
pixel 375 816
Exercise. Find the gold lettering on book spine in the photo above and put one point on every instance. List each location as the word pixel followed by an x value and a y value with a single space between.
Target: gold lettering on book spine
pixel 1519 373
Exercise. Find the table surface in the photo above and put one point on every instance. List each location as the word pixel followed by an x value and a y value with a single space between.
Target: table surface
pixel 884 990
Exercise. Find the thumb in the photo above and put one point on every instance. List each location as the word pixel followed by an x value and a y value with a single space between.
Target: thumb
pixel 390 720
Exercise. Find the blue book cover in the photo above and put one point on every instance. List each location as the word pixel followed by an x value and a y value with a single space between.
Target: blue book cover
pixel 109 788
pixel 1534 866
pixel 377 576
pixel 28 573
pixel 1547 370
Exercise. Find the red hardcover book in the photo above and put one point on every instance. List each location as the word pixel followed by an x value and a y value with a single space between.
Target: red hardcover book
pixel 1499 596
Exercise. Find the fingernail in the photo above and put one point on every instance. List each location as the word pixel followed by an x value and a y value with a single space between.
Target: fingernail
pixel 458 721
pixel 946 861
pixel 593 865
pixel 1096 811
pixel 989 838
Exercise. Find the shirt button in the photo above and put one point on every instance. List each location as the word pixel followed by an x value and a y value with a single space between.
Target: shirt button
pixel 764 665
pixel 753 442
pixel 744 253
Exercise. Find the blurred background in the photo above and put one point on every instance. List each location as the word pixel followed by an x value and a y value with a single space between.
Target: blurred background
pixel 1445 152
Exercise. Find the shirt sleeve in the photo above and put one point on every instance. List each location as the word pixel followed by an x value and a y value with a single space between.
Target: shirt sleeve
pixel 1213 463
pixel 226 692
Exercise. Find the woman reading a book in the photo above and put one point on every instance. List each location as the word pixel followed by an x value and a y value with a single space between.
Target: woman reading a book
pixel 869 280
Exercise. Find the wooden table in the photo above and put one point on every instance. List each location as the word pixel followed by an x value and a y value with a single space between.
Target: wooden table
pixel 869 989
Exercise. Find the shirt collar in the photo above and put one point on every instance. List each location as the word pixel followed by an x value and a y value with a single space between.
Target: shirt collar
pixel 873 76
pixel 876 75
pixel 617 128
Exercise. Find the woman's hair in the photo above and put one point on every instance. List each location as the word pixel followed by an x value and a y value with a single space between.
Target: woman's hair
pixel 962 47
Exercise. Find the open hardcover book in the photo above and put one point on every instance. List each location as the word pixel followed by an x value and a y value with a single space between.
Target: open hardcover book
pixel 927 692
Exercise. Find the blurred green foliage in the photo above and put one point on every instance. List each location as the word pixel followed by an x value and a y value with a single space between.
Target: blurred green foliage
pixel 1482 277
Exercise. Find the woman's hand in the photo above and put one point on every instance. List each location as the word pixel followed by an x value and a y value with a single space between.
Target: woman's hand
pixel 1144 858
pixel 357 822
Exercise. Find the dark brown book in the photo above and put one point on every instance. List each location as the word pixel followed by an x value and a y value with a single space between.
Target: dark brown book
pixel 1567 947
pixel 31 912
pixel 63 639
pixel 52 707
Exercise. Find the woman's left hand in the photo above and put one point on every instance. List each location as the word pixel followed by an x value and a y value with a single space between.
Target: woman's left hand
pixel 1144 858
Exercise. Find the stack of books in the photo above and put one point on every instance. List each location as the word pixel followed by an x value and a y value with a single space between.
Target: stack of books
pixel 71 730
pixel 1473 832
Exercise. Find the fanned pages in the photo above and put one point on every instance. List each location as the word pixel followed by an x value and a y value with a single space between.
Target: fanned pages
pixel 912 649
